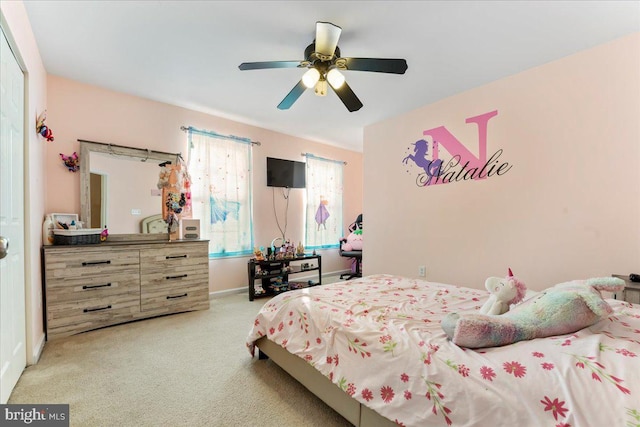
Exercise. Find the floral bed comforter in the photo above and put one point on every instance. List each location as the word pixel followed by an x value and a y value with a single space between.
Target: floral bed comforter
pixel 379 339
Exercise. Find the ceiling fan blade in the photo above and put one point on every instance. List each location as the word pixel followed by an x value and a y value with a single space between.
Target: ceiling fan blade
pixel 348 97
pixel 268 64
pixel 378 65
pixel 292 96
pixel 327 36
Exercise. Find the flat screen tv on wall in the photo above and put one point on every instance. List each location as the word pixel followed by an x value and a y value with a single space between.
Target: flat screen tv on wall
pixel 285 173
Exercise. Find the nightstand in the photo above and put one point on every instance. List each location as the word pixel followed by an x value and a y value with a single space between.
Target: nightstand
pixel 631 291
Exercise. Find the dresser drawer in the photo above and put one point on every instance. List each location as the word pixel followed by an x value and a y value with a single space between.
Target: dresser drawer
pixel 170 285
pixel 91 263
pixel 175 277
pixel 186 298
pixel 78 316
pixel 174 256
pixel 92 287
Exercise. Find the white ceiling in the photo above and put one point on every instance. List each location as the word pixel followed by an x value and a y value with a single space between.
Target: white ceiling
pixel 187 53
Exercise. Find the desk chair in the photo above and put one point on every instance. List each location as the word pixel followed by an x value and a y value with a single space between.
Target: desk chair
pixel 357 255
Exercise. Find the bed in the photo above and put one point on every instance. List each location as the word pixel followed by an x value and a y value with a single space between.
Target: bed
pixel 374 350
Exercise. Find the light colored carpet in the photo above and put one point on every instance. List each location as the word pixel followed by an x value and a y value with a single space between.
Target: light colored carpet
pixel 189 369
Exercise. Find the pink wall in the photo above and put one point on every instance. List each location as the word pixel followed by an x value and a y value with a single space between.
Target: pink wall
pixel 568 208
pixel 80 111
pixel 17 28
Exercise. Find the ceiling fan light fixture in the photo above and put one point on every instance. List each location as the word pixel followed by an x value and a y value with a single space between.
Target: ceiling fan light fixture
pixel 327 36
pixel 336 78
pixel 311 77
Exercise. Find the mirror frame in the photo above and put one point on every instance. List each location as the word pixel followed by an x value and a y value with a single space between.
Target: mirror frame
pixel 88 147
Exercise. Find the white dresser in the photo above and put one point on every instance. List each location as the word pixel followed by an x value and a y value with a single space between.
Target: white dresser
pixel 92 286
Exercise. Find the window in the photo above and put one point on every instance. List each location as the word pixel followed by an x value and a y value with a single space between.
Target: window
pixel 324 203
pixel 220 168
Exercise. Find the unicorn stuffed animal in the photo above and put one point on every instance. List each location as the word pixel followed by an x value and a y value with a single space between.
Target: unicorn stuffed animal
pixel 504 292
pixel 562 309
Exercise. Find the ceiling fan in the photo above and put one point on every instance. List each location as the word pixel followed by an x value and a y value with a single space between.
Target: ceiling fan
pixel 322 58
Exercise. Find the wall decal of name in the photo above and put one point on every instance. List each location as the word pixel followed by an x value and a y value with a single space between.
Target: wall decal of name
pixel 463 164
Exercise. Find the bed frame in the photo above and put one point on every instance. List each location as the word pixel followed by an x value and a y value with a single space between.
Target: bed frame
pixel 353 411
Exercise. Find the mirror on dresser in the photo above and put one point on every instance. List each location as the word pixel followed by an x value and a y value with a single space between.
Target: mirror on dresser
pixel 118 186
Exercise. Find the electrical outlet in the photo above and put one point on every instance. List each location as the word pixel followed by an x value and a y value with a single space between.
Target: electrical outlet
pixel 136 212
pixel 422 271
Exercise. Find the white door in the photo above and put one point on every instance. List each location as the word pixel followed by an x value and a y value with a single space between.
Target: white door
pixel 12 291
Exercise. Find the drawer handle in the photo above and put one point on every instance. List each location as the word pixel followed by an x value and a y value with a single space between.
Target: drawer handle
pixel 177 296
pixel 89 310
pixel 96 286
pixel 176 277
pixel 89 263
pixel 176 256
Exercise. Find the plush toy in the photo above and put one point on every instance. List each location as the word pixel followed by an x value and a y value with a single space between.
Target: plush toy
pixel 104 234
pixel 71 162
pixel 562 309
pixel 163 176
pixel 42 128
pixel 504 292
pixel 258 253
pixel 353 242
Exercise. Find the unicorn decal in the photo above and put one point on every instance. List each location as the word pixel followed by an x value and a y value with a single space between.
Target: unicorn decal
pixel 419 157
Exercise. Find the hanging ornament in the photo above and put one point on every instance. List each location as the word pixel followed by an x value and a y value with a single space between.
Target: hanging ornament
pixel 72 162
pixel 42 128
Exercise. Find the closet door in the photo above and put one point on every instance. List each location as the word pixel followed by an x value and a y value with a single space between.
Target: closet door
pixel 13 354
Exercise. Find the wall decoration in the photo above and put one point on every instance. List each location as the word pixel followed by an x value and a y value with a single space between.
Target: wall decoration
pixel 42 128
pixel 175 183
pixel 419 157
pixel 72 162
pixel 463 165
pixel 322 214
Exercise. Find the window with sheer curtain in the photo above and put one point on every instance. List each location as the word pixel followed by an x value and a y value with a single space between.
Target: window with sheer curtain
pixel 220 169
pixel 323 223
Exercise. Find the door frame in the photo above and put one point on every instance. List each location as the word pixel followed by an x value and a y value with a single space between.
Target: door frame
pixel 32 309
